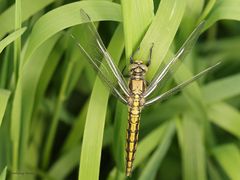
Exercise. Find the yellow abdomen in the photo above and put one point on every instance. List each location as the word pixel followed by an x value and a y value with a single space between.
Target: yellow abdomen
pixel 132 133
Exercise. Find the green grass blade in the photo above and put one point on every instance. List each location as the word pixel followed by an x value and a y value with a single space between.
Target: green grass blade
pixel 3 175
pixel 192 147
pixel 119 136
pixel 228 156
pixel 224 9
pixel 161 32
pixel 77 130
pixel 25 94
pixel 49 69
pixel 225 117
pixel 10 38
pixel 207 10
pixel 147 145
pixel 28 9
pixel 4 96
pixel 56 114
pixel 93 133
pixel 155 160
pixel 137 16
pixel 192 12
pixel 215 91
pixel 68 15
pixel 17 42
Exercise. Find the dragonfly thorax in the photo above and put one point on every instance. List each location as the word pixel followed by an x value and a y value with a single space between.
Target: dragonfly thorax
pixel 137 68
pixel 137 84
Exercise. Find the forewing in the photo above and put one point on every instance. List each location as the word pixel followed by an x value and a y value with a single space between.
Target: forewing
pixel 172 65
pixel 180 86
pixel 92 47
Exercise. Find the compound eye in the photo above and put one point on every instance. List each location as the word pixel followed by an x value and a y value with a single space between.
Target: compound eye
pixel 133 66
pixel 144 68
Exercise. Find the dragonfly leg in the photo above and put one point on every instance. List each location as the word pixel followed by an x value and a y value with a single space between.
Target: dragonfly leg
pixel 150 55
pixel 131 58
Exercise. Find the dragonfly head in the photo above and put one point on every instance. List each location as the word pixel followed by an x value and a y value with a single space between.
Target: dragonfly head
pixel 138 68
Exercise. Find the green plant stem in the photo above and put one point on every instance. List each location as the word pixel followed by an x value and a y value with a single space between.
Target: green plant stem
pixel 17 42
pixel 17 52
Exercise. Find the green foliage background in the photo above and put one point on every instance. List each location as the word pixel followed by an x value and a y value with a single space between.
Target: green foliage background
pixel 58 121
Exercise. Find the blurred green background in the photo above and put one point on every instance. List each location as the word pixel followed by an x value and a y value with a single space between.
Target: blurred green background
pixel 57 120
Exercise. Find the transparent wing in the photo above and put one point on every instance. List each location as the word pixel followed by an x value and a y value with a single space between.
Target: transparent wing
pixel 92 47
pixel 171 66
pixel 180 86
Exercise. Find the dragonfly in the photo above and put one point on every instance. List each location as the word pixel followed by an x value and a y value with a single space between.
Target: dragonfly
pixel 136 94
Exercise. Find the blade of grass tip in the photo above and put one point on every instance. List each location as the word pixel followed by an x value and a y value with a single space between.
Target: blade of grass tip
pixel 93 131
pixel 223 10
pixel 226 117
pixel 4 96
pixel 192 12
pixel 161 32
pixel 137 15
pixel 228 156
pixel 150 171
pixel 28 10
pixel 3 175
pixel 10 38
pixel 207 10
pixel 190 135
pixel 4 69
pixel 68 15
pixel 53 127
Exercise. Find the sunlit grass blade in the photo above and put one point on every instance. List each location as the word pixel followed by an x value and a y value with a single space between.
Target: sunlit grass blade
pixel 223 9
pixel 25 94
pixel 207 10
pixel 68 15
pixel 161 32
pixel 10 38
pixel 137 16
pixel 4 96
pixel 28 9
pixel 228 156
pixel 93 133
pixel 49 69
